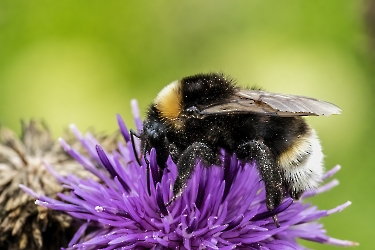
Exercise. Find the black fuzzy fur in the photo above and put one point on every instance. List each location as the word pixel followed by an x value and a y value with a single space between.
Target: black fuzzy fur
pixel 251 136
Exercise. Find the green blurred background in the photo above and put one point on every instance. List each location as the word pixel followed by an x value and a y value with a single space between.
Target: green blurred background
pixel 83 61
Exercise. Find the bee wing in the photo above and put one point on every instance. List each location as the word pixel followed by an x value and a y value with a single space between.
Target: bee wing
pixel 262 102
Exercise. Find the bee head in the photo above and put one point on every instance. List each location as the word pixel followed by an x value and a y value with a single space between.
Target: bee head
pixel 188 97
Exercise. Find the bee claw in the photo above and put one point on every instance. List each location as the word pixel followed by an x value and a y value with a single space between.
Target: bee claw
pixel 276 221
pixel 170 202
pixel 175 196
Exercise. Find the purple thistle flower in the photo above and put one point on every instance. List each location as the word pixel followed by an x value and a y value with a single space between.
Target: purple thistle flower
pixel 222 207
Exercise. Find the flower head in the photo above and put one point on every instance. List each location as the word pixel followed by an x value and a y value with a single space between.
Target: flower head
pixel 222 207
pixel 22 224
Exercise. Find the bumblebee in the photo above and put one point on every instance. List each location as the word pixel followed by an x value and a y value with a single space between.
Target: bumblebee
pixel 194 118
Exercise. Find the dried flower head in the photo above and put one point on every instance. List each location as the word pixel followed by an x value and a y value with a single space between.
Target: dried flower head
pixel 22 224
pixel 222 207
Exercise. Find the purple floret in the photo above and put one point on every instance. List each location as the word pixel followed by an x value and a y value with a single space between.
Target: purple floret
pixel 222 207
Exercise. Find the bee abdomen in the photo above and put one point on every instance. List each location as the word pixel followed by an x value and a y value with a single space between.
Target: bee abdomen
pixel 302 164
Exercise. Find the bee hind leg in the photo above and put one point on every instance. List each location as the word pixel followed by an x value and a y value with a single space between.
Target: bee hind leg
pixel 258 151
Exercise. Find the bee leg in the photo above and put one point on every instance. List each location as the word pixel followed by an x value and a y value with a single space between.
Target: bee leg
pixel 174 152
pixel 257 150
pixel 296 195
pixel 187 162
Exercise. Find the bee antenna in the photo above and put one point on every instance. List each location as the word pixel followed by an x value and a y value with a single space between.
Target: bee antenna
pixel 148 176
pixel 132 134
